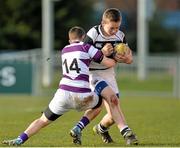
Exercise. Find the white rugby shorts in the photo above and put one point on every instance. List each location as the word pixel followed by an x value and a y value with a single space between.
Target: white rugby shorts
pixel 103 75
pixel 64 100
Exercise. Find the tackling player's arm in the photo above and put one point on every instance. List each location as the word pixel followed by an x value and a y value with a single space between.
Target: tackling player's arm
pixel 99 57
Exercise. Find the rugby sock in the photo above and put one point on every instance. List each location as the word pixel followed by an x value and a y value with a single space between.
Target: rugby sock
pixel 83 122
pixel 125 130
pixel 23 137
pixel 102 128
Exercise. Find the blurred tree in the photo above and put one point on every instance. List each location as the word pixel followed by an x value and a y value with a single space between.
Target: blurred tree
pixel 162 39
pixel 20 24
pixel 68 14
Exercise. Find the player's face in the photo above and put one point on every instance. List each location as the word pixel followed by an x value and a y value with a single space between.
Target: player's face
pixel 110 28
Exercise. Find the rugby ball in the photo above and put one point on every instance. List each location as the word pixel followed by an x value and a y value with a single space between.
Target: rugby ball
pixel 121 48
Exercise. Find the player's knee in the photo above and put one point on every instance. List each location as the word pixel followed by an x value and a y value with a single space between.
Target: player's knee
pixel 114 100
pixel 44 120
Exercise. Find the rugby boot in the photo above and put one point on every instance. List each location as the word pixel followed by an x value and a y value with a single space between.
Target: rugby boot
pixel 106 138
pixel 130 138
pixel 76 135
pixel 14 142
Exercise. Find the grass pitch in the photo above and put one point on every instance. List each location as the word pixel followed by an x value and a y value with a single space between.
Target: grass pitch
pixel 155 120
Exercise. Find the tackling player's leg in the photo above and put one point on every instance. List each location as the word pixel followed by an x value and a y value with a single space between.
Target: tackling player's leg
pixel 89 115
pixel 46 118
pixel 76 135
pixel 17 141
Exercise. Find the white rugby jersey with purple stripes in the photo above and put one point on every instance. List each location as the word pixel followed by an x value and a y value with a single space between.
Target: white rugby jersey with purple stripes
pixel 76 59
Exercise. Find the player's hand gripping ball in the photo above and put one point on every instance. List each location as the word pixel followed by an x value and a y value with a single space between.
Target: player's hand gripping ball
pixel 121 48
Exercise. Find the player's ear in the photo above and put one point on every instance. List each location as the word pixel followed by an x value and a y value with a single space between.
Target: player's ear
pixel 83 37
pixel 102 22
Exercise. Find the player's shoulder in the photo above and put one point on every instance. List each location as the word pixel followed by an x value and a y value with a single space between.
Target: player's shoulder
pixel 120 34
pixel 93 31
pixel 73 47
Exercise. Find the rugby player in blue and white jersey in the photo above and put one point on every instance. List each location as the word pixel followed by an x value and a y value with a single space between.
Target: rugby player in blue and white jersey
pixel 104 37
pixel 74 90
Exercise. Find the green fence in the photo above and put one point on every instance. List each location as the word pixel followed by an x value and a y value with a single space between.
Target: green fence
pixel 16 77
pixel 19 72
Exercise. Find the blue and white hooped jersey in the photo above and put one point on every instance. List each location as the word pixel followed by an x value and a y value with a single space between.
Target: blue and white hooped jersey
pixel 76 59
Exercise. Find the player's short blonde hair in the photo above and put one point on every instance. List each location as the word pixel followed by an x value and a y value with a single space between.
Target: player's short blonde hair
pixel 112 14
pixel 76 33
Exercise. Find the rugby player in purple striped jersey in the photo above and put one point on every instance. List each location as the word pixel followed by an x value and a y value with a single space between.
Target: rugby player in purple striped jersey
pixel 74 90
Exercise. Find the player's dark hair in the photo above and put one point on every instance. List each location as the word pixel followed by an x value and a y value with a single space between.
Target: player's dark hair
pixel 112 14
pixel 77 32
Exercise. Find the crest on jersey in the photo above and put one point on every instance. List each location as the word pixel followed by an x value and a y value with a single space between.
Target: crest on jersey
pixel 98 45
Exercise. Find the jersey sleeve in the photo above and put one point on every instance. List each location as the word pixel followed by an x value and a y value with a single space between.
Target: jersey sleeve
pixel 121 36
pixel 95 54
pixel 88 40
pixel 91 36
pixel 124 40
